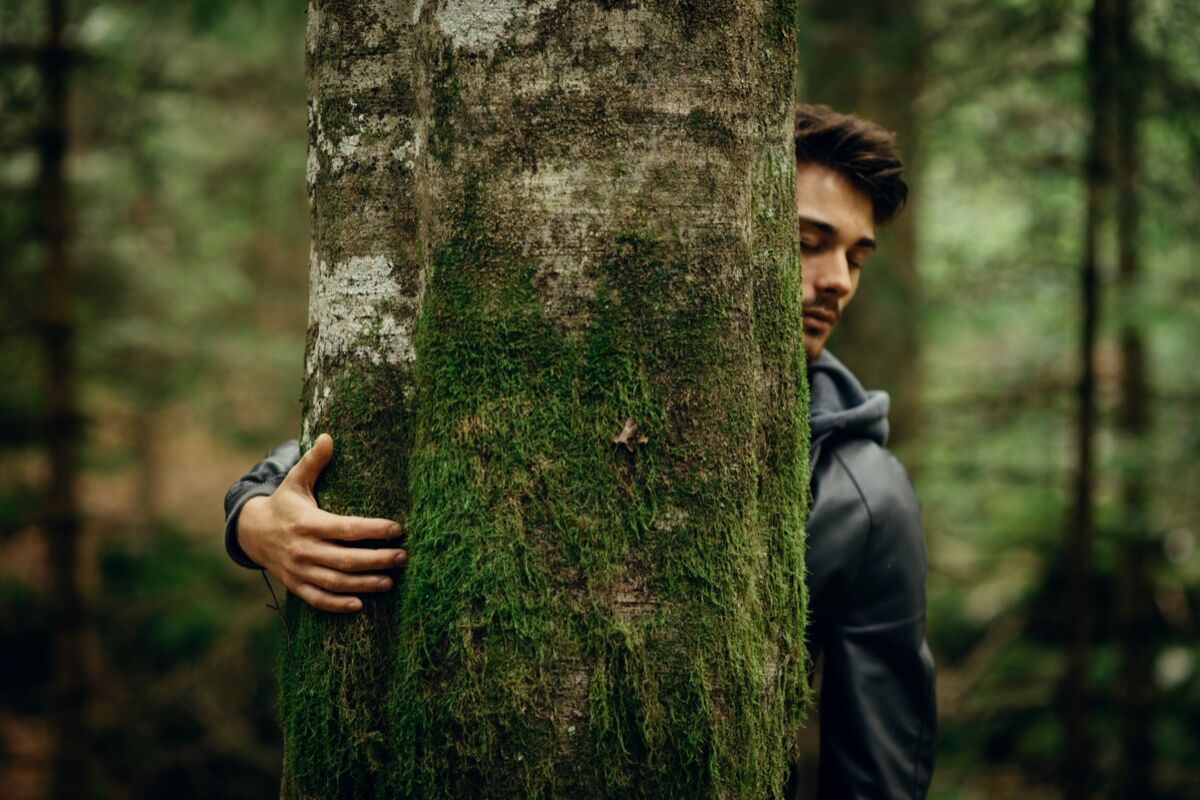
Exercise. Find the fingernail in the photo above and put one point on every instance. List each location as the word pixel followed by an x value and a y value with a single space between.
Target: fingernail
pixel 384 583
pixel 394 530
pixel 401 557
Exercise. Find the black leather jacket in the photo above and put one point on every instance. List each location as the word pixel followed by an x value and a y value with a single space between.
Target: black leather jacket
pixel 866 579
pixel 865 556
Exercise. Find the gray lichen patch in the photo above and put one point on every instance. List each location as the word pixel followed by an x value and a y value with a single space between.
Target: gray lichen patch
pixel 475 26
pixel 357 127
pixel 359 312
pixel 354 297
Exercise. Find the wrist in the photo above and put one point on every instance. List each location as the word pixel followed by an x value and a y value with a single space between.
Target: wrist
pixel 253 520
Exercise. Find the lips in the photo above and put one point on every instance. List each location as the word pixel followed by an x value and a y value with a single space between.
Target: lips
pixel 820 317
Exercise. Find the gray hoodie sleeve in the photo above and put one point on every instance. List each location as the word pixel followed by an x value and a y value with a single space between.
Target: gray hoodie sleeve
pixel 262 479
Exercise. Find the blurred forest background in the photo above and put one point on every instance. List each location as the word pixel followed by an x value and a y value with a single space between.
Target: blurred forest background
pixel 1036 316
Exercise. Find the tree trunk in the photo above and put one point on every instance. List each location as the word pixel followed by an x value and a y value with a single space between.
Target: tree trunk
pixel 884 40
pixel 555 328
pixel 1135 591
pixel 1079 756
pixel 69 754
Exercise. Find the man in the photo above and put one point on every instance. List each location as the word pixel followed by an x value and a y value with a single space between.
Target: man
pixel 866 548
pixel 866 552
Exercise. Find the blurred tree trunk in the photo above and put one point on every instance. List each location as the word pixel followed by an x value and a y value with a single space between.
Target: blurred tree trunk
pixel 1079 756
pixel 554 326
pixel 69 759
pixel 1135 592
pixel 867 58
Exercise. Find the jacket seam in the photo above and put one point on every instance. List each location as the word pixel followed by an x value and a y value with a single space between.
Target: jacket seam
pixel 862 556
pixel 871 525
pixel 920 743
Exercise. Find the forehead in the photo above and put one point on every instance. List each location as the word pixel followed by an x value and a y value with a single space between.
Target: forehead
pixel 824 194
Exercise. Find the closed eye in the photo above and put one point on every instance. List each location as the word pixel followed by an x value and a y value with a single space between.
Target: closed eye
pixel 856 259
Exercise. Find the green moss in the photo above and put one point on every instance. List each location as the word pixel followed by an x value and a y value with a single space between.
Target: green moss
pixel 337 119
pixel 337 739
pixel 446 97
pixel 400 93
pixel 528 526
pixel 577 619
pixel 781 16
pixel 556 122
pixel 697 15
pixel 709 129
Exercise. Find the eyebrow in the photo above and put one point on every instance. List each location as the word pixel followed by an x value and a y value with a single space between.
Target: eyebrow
pixel 829 230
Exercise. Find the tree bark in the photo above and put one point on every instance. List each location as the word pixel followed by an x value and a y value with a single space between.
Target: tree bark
pixel 1079 756
pixel 555 328
pixel 1135 593
pixel 69 753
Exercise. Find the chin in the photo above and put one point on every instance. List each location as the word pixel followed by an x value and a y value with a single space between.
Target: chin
pixel 813 346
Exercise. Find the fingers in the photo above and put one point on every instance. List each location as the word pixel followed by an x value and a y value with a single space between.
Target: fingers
pixel 328 588
pixel 325 525
pixel 353 559
pixel 321 573
pixel 310 465
pixel 311 520
pixel 345 582
pixel 326 601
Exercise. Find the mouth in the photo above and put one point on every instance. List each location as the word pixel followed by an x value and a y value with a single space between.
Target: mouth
pixel 819 319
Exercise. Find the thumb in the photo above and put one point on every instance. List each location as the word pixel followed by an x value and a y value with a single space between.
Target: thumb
pixel 309 467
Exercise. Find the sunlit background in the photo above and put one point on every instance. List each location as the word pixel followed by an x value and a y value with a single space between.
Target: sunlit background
pixel 186 231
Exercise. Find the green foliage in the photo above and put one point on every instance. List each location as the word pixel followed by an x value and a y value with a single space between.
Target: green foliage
pixel 1002 123
pixel 175 584
pixel 175 632
pixel 186 164
pixel 190 229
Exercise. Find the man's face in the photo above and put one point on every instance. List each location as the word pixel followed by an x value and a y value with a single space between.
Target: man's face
pixel 837 233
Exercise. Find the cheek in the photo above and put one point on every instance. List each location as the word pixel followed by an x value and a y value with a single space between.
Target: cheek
pixel 853 288
pixel 806 288
pixel 808 270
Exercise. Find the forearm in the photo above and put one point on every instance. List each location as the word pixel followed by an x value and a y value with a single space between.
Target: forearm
pixel 262 480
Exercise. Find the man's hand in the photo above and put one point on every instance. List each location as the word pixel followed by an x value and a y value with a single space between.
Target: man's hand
pixel 301 545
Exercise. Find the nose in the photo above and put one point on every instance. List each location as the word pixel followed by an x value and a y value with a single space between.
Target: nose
pixel 831 277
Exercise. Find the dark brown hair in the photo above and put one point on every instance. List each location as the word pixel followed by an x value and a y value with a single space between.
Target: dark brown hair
pixel 862 151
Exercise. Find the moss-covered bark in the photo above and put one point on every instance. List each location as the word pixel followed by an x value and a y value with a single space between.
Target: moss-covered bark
pixel 366 265
pixel 572 364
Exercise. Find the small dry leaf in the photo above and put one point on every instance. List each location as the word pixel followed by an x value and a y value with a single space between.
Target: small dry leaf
pixel 629 436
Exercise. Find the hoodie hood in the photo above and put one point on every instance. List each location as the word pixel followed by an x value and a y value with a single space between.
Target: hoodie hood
pixel 838 403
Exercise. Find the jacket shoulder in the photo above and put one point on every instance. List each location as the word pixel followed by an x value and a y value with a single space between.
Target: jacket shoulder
pixel 883 483
pixel 894 562
pixel 878 704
